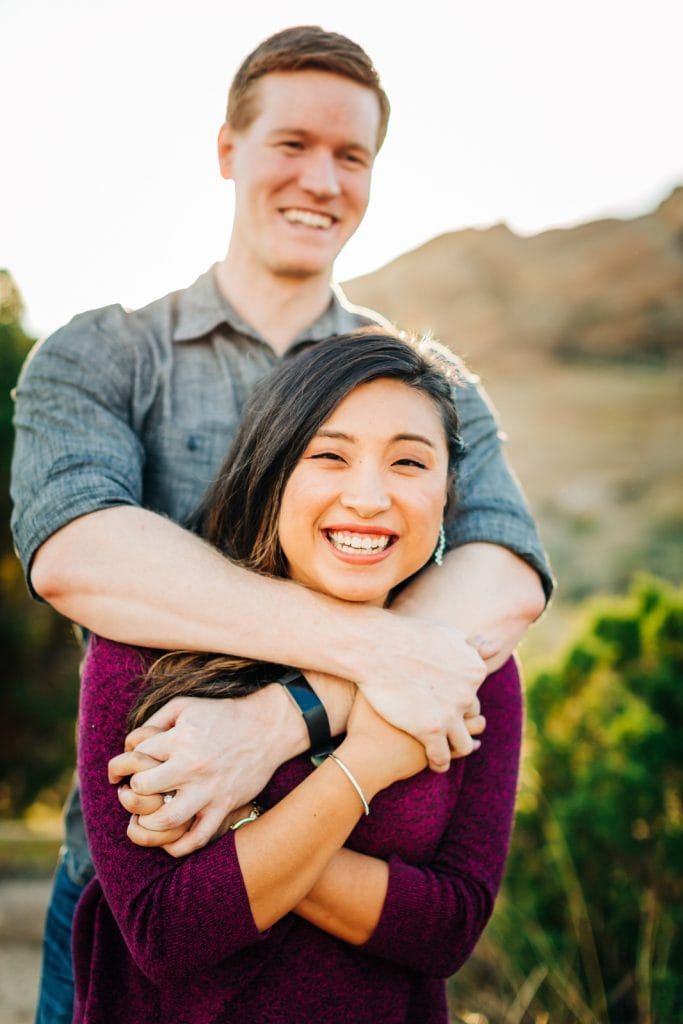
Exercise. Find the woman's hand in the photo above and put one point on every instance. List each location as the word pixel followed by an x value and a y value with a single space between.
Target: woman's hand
pixel 398 754
pixel 120 769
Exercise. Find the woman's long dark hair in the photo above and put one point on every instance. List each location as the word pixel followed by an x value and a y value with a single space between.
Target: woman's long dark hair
pixel 239 513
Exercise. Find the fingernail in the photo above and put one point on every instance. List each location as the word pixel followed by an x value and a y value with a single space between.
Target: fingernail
pixel 476 744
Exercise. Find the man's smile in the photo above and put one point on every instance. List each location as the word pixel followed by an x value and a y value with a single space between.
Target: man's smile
pixel 309 218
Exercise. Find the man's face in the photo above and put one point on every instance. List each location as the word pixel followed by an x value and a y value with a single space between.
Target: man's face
pixel 301 170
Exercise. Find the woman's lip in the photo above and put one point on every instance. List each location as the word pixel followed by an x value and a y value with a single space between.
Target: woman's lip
pixel 377 531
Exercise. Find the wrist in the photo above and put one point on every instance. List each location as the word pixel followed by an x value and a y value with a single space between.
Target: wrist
pixel 366 763
pixel 283 724
pixel 362 632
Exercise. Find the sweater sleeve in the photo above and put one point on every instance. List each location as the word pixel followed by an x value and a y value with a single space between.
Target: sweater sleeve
pixel 433 915
pixel 177 916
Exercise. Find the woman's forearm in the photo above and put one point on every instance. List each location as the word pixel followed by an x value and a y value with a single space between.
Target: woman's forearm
pixel 347 899
pixel 284 853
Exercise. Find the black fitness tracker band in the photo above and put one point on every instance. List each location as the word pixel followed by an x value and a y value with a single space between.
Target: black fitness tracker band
pixel 313 711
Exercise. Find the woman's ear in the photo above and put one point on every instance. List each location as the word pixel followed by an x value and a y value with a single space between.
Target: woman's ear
pixel 226 145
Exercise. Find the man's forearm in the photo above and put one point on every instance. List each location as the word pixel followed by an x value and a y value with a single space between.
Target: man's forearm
pixel 133 576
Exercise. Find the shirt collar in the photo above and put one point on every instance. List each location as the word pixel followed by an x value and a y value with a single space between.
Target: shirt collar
pixel 202 308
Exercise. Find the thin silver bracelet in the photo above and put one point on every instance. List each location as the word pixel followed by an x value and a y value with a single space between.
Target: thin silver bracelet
pixel 352 780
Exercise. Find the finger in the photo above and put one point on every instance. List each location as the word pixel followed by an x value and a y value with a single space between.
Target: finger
pixel 461 743
pixel 123 765
pixel 139 804
pixel 158 745
pixel 475 726
pixel 143 837
pixel 167 716
pixel 474 709
pixel 162 778
pixel 438 753
pixel 202 832
pixel 174 813
pixel 138 735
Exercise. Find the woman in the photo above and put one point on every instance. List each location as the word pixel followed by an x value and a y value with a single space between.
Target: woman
pixel 314 911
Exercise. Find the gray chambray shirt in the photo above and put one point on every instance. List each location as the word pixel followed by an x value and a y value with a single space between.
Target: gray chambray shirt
pixel 139 408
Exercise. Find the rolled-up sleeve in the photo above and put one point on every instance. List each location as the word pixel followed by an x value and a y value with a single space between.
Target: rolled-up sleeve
pixel 76 449
pixel 491 506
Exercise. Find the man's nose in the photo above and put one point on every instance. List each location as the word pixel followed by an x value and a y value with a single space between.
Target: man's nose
pixel 319 175
pixel 365 494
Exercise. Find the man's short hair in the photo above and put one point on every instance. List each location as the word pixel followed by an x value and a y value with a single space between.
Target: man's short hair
pixel 302 48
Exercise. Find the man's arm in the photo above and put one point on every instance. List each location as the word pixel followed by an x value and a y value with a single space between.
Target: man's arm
pixel 134 576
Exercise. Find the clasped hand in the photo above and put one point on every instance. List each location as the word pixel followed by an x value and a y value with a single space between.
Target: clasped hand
pixel 210 756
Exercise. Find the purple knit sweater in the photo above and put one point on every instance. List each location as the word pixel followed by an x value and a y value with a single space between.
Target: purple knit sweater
pixel 173 941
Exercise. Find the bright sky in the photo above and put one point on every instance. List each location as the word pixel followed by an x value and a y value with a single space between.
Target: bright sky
pixel 533 112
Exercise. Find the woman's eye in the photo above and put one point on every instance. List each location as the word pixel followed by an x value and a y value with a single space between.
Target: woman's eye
pixel 411 462
pixel 327 455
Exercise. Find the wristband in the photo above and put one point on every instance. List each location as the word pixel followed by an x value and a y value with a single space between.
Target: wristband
pixel 309 704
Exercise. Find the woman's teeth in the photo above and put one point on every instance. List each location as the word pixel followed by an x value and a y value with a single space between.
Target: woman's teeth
pixel 353 543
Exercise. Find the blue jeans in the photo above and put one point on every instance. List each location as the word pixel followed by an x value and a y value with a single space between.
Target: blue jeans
pixel 56 998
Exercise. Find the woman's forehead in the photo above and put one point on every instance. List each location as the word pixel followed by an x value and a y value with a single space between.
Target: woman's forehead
pixel 389 406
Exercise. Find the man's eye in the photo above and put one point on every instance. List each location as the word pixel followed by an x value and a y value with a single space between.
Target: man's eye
pixel 292 144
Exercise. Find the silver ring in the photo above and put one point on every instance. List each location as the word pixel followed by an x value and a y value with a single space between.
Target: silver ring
pixel 168 797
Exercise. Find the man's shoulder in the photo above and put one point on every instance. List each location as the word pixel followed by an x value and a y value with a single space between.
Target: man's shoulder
pixel 112 327
pixel 354 316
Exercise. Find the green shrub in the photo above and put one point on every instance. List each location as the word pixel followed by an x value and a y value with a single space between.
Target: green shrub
pixel 593 894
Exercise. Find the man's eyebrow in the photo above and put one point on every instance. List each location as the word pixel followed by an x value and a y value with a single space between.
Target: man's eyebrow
pixel 339 435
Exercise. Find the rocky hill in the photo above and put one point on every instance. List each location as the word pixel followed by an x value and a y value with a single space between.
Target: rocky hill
pixel 578 335
pixel 611 289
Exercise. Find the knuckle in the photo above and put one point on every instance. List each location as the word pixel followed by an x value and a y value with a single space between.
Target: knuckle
pixel 167 819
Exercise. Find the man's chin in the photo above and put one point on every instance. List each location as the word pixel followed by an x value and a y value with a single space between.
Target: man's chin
pixel 299 270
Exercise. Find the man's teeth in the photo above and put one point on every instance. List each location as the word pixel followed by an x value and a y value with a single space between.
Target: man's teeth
pixel 353 543
pixel 307 217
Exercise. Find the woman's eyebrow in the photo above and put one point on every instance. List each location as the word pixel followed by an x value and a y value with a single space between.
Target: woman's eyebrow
pixel 339 435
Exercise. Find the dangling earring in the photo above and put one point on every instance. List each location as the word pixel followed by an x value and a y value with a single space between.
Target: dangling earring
pixel 440 547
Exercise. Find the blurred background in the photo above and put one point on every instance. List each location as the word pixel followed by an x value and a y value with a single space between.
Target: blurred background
pixel 527 210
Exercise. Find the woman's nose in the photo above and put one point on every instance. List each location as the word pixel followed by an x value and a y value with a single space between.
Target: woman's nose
pixel 365 494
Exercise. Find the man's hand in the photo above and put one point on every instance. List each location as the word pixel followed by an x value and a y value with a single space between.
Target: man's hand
pixel 213 755
pixel 427 683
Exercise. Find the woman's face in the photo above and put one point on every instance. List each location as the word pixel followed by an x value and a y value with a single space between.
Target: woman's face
pixel 362 509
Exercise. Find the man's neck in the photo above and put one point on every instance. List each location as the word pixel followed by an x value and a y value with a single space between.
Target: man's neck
pixel 278 307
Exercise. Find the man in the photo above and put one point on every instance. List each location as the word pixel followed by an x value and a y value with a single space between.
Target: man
pixel 122 418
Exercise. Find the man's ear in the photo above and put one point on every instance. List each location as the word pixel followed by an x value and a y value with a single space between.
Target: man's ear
pixel 226 142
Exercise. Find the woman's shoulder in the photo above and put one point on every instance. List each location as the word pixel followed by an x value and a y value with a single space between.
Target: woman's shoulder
pixel 112 663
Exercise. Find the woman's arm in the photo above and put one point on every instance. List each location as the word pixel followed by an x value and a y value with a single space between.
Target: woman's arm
pixel 430 917
pixel 180 916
